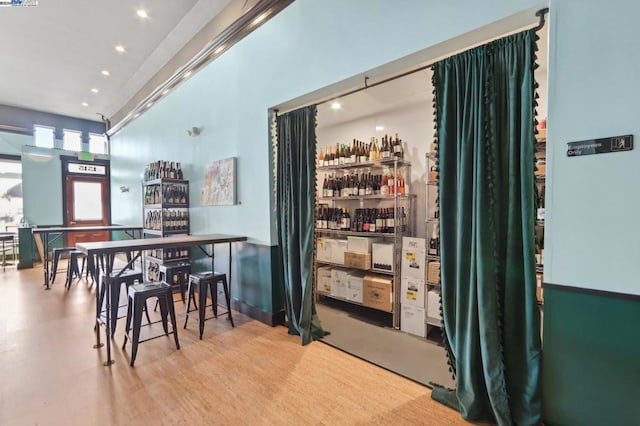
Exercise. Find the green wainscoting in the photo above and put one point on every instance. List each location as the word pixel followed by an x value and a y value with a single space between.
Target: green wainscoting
pixel 591 357
pixel 256 288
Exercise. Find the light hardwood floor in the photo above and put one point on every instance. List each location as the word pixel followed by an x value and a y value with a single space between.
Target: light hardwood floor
pixel 252 374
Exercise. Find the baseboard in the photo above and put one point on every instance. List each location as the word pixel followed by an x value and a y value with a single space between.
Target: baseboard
pixel 269 318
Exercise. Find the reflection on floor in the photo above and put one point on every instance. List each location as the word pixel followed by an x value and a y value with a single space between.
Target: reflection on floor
pixel 410 356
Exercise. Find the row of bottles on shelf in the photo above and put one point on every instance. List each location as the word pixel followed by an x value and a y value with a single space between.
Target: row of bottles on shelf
pixel 361 152
pixel 381 220
pixel 170 253
pixel 168 194
pixel 162 169
pixel 354 185
pixel 168 220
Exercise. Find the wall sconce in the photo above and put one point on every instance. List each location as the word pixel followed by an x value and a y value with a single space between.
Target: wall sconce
pixel 194 131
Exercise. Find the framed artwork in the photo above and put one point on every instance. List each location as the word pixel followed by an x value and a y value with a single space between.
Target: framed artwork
pixel 219 188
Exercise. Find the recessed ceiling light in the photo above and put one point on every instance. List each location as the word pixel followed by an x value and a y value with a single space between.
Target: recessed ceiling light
pixel 94 90
pixel 120 48
pixel 105 72
pixel 336 105
pixel 142 13
pixel 379 128
pixel 84 104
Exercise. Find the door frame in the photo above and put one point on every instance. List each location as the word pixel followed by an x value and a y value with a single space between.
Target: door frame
pixel 65 161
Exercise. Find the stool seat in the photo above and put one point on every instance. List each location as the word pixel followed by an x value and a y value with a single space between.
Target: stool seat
pixel 200 283
pixel 138 295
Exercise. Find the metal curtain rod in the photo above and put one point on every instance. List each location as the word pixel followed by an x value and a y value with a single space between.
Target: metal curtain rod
pixel 541 23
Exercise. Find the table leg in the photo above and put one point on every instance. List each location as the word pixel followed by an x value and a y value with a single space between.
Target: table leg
pixel 98 309
pixel 45 260
pixel 107 328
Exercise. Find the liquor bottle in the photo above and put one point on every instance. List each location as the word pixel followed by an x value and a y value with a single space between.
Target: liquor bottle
pixel 320 162
pixel 385 149
pixel 345 220
pixel 398 150
pixel 391 220
pixel 180 175
pixel 540 209
pixel 434 242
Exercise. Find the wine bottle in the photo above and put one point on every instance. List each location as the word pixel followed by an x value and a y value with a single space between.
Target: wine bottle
pixel 398 150
pixel 385 151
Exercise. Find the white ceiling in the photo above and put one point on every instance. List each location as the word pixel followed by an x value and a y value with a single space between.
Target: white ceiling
pixel 52 54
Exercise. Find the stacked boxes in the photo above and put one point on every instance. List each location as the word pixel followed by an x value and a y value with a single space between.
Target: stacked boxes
pixel 378 292
pixel 412 300
pixel 382 257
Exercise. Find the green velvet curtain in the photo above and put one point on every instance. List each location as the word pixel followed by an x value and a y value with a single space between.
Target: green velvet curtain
pixel 296 182
pixel 485 106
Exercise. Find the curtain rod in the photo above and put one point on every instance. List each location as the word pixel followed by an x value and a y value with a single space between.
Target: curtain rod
pixel 540 13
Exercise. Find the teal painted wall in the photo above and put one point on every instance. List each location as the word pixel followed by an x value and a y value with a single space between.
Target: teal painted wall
pixel 591 372
pixel 593 205
pixel 591 359
pixel 306 48
pixel 11 143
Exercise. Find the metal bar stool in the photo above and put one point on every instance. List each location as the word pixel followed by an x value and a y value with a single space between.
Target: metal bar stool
pixel 72 267
pixel 128 278
pixel 57 254
pixel 200 283
pixel 138 295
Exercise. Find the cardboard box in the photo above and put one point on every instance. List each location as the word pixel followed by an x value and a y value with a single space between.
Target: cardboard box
pixel 433 272
pixel 412 320
pixel 360 244
pixel 338 249
pixel 433 305
pixel 378 293
pixel 382 257
pixel 413 263
pixel 323 249
pixel 413 290
pixel 323 279
pixel 357 260
pixel 355 286
pixel 339 283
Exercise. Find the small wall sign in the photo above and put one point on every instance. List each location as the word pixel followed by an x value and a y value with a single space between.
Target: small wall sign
pixel 600 146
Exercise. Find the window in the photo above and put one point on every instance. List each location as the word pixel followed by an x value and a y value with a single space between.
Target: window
pixel 71 140
pixel 44 136
pixel 10 193
pixel 97 144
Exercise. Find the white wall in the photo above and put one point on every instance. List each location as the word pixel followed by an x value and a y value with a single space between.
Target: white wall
pixel 414 124
pixel 306 48
pixel 593 205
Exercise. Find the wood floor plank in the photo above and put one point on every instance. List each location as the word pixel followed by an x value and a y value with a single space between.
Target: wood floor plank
pixel 250 374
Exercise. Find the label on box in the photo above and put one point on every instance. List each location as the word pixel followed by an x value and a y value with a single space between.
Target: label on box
pixel 414 244
pixel 412 292
pixel 413 263
pixel 412 320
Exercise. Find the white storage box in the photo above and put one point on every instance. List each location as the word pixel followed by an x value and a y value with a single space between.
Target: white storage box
pixel 412 320
pixel 338 249
pixel 413 290
pixel 433 305
pixel 323 278
pixel 355 283
pixel 382 257
pixel 361 245
pixel 339 283
pixel 323 249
